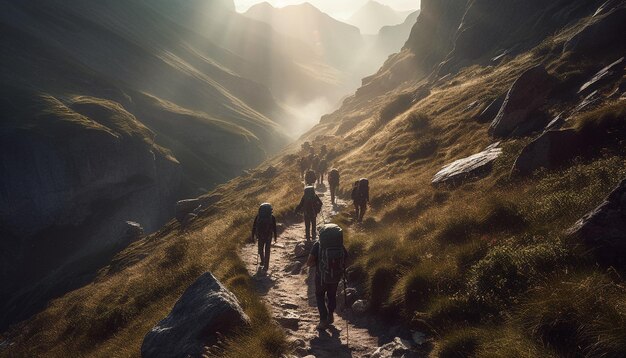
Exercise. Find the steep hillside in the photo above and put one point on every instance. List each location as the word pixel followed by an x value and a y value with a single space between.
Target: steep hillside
pixel 391 39
pixel 373 16
pixel 135 84
pixel 480 256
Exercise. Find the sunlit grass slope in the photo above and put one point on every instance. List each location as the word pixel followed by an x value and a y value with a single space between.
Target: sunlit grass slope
pixel 484 267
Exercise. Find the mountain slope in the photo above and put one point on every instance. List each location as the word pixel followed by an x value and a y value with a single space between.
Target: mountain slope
pixel 373 16
pixel 331 39
pixel 481 265
pixel 93 95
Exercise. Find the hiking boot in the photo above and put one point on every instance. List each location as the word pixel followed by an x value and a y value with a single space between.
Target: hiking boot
pixel 322 325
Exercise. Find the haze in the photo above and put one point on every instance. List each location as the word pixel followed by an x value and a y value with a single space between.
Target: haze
pixel 338 9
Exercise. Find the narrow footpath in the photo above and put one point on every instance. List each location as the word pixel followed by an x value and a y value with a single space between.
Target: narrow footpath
pixel 289 290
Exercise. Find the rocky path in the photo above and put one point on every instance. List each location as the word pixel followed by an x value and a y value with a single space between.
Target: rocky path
pixel 288 288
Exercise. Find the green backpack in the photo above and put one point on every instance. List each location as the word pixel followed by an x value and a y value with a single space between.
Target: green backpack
pixel 331 255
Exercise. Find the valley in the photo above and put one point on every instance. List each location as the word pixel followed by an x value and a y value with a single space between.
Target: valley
pixel 493 141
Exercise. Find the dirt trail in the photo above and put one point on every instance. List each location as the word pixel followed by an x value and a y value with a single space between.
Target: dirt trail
pixel 288 288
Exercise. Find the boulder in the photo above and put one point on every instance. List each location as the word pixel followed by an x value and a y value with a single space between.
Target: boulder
pixel 204 312
pixel 302 249
pixel 194 206
pixel 491 111
pixel 557 122
pixel 396 348
pixel 589 102
pixel 605 76
pixel 606 31
pixel 472 167
pixel 604 229
pixel 289 320
pixel 526 96
pixel 549 150
pixel 185 207
pixel 133 230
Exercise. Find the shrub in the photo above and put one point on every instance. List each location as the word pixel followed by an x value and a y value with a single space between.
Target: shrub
pixel 397 106
pixel 414 290
pixel 461 344
pixel 424 148
pixel 418 121
pixel 507 271
pixel 381 283
pixel 585 316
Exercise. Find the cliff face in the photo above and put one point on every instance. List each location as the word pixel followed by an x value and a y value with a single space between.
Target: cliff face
pixel 73 173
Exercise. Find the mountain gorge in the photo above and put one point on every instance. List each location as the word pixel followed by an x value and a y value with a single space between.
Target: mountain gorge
pixel 493 142
pixel 114 110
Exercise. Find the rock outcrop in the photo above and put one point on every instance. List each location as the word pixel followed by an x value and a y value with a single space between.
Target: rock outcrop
pixel 491 111
pixel 605 76
pixel 604 229
pixel 206 309
pixel 472 167
pixel 527 95
pixel 550 150
pixel 605 31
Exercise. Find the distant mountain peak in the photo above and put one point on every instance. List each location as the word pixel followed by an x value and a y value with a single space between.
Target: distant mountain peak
pixel 373 16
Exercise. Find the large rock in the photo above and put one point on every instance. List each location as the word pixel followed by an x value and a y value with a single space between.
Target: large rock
pixel 526 96
pixel 604 229
pixel 194 206
pixel 206 309
pixel 489 113
pixel 549 150
pixel 605 31
pixel 605 76
pixel 468 168
pixel 396 348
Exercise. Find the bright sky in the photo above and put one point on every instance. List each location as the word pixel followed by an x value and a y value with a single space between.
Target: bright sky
pixel 341 9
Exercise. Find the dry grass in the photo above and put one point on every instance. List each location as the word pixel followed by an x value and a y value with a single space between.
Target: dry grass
pixel 483 265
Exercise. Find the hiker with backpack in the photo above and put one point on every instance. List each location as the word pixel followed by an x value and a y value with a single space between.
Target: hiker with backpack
pixel 322 168
pixel 333 183
pixel 360 198
pixel 304 166
pixel 328 255
pixel 262 230
pixel 310 205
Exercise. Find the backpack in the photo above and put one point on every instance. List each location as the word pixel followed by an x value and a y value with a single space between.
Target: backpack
pixel 323 166
pixel 333 177
pixel 313 204
pixel 310 177
pixel 331 255
pixel 264 223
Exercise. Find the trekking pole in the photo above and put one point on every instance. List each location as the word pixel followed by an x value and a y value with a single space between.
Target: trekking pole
pixel 345 303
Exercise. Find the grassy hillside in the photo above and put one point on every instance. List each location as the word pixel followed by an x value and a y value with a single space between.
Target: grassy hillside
pixel 483 267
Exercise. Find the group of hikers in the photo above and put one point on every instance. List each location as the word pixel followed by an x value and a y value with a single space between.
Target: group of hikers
pixel 327 254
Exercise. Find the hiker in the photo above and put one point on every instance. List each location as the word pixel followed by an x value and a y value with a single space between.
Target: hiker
pixel 263 228
pixel 360 198
pixel 310 205
pixel 304 166
pixel 329 256
pixel 315 166
pixel 310 177
pixel 322 168
pixel 333 182
pixel 323 151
